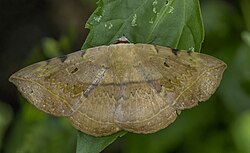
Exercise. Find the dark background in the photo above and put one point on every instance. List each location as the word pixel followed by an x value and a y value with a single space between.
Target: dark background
pixel 25 23
pixel 30 29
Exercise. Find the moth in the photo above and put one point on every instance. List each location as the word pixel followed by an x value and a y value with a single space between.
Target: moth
pixel 139 88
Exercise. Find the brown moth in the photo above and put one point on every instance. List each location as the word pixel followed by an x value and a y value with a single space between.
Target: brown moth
pixel 133 87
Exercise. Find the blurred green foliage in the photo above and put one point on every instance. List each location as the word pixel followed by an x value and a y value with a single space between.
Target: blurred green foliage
pixel 241 132
pixel 221 125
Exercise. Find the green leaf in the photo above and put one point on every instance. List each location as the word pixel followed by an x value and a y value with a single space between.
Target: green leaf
pixel 175 23
pixel 90 144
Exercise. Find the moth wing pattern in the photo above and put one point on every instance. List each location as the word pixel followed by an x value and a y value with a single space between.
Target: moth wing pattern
pixel 133 87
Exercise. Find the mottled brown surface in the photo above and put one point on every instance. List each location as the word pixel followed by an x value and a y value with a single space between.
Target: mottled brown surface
pixel 132 87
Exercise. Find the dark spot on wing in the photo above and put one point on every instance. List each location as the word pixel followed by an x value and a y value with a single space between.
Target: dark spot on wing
pixel 74 70
pixel 63 58
pixel 175 51
pixel 166 64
